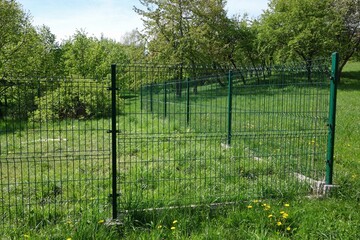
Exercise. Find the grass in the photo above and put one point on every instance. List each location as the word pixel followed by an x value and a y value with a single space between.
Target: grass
pixel 334 217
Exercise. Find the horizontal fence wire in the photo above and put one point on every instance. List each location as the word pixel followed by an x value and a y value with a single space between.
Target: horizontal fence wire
pixel 54 151
pixel 174 134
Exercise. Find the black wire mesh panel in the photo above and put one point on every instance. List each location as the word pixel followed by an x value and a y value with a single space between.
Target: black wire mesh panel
pixel 54 150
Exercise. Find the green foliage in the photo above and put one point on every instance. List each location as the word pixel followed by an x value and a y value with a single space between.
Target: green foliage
pixel 89 99
pixel 91 57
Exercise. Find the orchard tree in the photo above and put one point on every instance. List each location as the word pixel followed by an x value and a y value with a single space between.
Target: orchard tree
pixel 346 38
pixel 185 32
pixel 309 29
pixel 298 29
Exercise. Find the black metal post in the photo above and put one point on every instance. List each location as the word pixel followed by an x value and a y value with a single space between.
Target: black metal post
pixel 113 140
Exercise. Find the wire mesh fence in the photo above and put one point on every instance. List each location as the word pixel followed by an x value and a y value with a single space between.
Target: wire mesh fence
pixel 163 136
pixel 231 136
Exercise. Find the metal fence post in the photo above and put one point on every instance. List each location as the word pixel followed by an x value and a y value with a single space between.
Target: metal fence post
pixel 332 114
pixel 113 140
pixel 188 101
pixel 229 115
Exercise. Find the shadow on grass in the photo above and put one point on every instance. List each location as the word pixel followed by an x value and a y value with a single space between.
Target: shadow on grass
pixel 350 81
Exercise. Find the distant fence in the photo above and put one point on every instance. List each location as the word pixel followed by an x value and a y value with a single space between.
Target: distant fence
pixel 160 136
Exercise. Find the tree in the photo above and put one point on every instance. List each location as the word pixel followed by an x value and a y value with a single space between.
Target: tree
pixel 16 38
pixel 299 29
pixel 346 39
pixel 185 33
pixel 311 28
pixel 91 57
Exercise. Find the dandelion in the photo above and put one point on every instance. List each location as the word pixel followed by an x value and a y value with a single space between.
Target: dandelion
pixel 266 206
pixel 287 205
pixel 288 228
pixel 249 207
pixel 160 226
pixel 279 223
pixel 26 236
pixel 101 221
pixel 270 216
pixel 282 212
pixel 175 221
pixel 173 228
pixel 68 239
pixel 285 215
pixel 255 201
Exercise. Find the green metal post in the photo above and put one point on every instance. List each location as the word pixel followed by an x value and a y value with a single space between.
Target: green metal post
pixel 332 114
pixel 229 109
pixel 113 140
pixel 188 101
pixel 165 100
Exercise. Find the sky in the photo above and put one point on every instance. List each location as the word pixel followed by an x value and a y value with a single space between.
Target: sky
pixel 112 18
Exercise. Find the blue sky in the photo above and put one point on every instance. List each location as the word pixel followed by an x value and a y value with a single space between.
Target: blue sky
pixel 112 18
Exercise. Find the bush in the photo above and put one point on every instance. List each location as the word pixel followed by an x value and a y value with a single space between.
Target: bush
pixel 74 100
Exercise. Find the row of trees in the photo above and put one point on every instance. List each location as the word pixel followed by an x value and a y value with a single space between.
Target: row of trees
pixel 193 32
pixel 177 32
pixel 185 32
pixel 26 50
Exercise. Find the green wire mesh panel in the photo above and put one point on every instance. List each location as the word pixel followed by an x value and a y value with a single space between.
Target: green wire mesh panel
pixel 54 151
pixel 176 146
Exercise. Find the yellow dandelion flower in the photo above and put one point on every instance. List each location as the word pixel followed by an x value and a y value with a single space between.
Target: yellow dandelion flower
pixel 160 226
pixel 282 212
pixel 285 215
pixel 287 205
pixel 68 239
pixel 270 216
pixel 255 201
pixel 279 223
pixel 249 207
pixel 288 228
pixel 173 228
pixel 175 221
pixel 101 221
pixel 26 236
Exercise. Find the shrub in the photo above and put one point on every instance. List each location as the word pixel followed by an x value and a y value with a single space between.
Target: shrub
pixel 74 100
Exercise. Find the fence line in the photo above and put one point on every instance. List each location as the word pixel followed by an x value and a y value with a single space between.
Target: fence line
pixel 154 137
